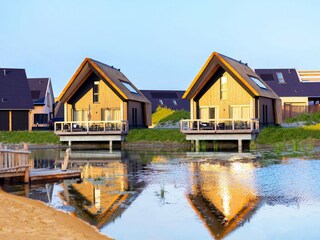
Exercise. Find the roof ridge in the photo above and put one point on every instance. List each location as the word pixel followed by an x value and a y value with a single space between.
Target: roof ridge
pixel 107 65
pixel 238 61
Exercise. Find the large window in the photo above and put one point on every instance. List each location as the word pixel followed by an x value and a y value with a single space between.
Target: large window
pixel 240 112
pixel 40 119
pixel 96 91
pixel 80 115
pixel 111 114
pixel 223 88
pixel 208 113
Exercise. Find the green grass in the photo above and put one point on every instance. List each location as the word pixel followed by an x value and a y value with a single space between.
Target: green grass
pixel 41 137
pixel 309 118
pixel 155 135
pixel 163 115
pixel 278 135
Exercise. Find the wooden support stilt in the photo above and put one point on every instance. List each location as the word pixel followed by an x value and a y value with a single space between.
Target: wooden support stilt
pixel 239 145
pixel 26 175
pixel 110 145
pixel 197 145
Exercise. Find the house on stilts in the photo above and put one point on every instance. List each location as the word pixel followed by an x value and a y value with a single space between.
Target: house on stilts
pixel 100 104
pixel 229 101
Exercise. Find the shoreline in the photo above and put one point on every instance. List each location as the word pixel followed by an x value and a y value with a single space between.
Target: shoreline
pixel 30 219
pixel 151 146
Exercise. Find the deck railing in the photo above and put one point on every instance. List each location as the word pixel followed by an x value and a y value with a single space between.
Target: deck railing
pixel 13 160
pixel 91 127
pixel 219 125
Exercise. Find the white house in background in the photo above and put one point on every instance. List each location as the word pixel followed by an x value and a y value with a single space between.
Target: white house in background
pixel 43 101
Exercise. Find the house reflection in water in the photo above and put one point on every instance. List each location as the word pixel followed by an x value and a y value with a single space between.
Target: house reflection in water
pixel 105 192
pixel 223 195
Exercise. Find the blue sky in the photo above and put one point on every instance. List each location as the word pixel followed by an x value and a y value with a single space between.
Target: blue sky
pixel 156 44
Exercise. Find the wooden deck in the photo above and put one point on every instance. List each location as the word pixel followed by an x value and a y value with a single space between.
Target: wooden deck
pixel 219 126
pixel 91 127
pixel 91 131
pixel 220 129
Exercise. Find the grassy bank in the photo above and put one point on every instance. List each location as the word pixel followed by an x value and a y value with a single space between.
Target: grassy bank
pixel 41 137
pixel 155 135
pixel 308 118
pixel 164 115
pixel 276 135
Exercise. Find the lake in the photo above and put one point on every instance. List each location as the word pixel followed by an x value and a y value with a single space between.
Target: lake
pixel 185 195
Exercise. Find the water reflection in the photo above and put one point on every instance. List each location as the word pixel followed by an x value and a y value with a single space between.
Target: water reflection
pixel 223 194
pixel 186 195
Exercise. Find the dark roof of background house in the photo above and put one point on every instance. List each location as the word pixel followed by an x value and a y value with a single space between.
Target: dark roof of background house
pixel 167 98
pixel 38 88
pixel 292 87
pixel 14 89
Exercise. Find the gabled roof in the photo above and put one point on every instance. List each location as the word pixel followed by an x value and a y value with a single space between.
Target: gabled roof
pixel 167 98
pixel 14 91
pixel 238 70
pixel 293 85
pixel 38 88
pixel 111 75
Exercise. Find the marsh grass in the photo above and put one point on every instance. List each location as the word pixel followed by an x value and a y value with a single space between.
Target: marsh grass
pixel 278 135
pixel 155 135
pixel 41 137
pixel 308 118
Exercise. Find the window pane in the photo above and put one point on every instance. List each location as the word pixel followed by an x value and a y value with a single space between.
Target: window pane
pixel 77 115
pixel 95 98
pixel 258 82
pixel 106 116
pixel 235 112
pixel 116 115
pixel 129 87
pixel 223 88
pixel 84 115
pixel 204 113
pixel 245 112
pixel 40 119
pixel 280 77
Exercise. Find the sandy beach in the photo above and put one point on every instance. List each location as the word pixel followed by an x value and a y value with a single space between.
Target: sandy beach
pixel 23 218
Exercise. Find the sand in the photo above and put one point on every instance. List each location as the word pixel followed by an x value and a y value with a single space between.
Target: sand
pixel 22 218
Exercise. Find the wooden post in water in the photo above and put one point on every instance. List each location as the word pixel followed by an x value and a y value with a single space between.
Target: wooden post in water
pixel 26 171
pixel 26 175
pixel 64 165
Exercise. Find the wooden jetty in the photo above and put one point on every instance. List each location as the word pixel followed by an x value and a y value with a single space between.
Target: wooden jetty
pixel 15 163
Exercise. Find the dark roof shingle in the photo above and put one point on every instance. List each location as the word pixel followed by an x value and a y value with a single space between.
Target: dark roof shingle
pixel 14 91
pixel 292 87
pixel 167 98
pixel 38 87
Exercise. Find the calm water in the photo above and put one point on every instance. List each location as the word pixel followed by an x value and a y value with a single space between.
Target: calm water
pixel 185 195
